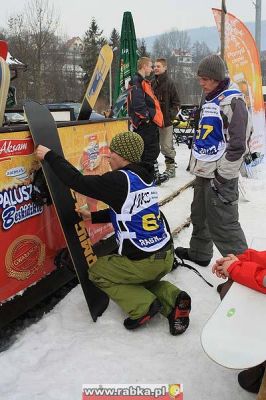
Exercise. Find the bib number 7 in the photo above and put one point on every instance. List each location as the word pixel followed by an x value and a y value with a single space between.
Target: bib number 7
pixel 204 131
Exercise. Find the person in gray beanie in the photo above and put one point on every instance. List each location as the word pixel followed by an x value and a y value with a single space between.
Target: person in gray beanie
pixel 212 67
pixel 132 276
pixel 218 149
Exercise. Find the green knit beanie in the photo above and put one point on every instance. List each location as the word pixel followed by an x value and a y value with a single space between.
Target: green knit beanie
pixel 128 145
pixel 212 67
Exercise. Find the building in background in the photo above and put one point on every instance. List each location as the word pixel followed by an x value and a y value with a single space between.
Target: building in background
pixel 73 57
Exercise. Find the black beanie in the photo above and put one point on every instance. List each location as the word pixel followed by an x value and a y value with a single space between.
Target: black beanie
pixel 128 145
pixel 212 67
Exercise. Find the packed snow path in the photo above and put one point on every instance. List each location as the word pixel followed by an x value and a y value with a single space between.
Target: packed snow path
pixel 53 358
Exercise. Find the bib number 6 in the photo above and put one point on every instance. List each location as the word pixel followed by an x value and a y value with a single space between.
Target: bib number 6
pixel 150 222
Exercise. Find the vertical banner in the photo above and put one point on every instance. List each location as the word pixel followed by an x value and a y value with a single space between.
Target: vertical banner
pixel 243 62
pixel 128 55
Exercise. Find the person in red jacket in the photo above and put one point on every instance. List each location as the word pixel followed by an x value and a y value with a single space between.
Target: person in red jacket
pixel 249 269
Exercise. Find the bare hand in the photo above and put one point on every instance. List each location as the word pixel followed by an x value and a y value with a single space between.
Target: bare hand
pixel 41 151
pixel 220 268
pixel 84 211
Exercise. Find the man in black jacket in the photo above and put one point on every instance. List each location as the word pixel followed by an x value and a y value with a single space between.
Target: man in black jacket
pixel 145 114
pixel 132 277
pixel 165 91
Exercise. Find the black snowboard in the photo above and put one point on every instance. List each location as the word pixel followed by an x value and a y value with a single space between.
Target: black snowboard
pixel 44 131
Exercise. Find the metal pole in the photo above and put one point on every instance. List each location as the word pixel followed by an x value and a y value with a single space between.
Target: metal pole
pixel 111 81
pixel 110 88
pixel 223 28
pixel 258 24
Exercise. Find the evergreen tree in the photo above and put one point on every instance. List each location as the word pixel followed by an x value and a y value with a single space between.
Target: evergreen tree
pixel 114 40
pixel 2 34
pixel 93 42
pixel 142 49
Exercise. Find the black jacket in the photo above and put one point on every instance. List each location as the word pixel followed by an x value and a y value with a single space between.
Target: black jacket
pixel 141 103
pixel 165 91
pixel 111 188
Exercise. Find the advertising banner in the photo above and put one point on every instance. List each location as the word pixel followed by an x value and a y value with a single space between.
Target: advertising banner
pixel 243 62
pixel 30 234
pixel 87 149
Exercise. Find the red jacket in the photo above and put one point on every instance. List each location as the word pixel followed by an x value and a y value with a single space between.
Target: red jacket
pixel 250 270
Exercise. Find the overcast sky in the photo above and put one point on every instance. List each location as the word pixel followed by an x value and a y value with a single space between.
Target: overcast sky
pixel 150 16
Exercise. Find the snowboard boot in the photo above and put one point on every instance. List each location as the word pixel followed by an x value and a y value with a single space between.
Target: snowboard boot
pixel 159 178
pixel 155 307
pixel 179 316
pixel 170 169
pixel 250 379
pixel 182 252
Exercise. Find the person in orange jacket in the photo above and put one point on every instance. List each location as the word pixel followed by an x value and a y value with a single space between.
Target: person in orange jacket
pixel 249 269
pixel 145 115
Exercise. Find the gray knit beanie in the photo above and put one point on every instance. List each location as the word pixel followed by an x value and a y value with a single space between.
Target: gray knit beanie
pixel 212 67
pixel 128 145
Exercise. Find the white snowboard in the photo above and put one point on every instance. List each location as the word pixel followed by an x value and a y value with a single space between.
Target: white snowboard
pixel 235 335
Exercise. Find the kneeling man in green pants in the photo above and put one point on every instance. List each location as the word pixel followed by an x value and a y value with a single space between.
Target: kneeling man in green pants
pixel 132 277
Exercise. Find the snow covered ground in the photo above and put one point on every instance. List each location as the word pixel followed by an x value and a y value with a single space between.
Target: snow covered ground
pixel 53 358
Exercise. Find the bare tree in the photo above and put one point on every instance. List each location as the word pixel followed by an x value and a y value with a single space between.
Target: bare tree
pixel 32 39
pixel 179 40
pixel 19 41
pixel 162 47
pixel 42 22
pixel 199 51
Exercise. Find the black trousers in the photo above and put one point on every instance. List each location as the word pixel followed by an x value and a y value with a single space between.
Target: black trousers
pixel 150 135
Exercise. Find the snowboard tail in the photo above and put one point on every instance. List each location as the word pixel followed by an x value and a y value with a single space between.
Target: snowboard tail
pixel 234 336
pixel 44 131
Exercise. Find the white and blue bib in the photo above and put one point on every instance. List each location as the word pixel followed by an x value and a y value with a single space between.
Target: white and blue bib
pixel 140 220
pixel 209 143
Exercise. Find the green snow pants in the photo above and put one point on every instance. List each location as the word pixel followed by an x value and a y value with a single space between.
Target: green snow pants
pixel 214 221
pixel 135 284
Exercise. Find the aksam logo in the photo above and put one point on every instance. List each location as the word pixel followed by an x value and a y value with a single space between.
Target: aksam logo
pixel 15 147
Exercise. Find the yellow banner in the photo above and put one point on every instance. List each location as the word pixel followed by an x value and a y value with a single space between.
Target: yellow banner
pixel 99 74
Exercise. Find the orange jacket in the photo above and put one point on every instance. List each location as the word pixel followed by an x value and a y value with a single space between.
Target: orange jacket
pixel 142 103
